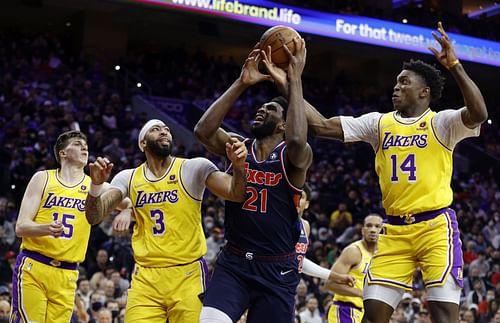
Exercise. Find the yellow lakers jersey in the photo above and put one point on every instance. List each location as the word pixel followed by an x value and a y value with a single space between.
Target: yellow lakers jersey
pixel 168 229
pixel 414 167
pixel 65 204
pixel 358 272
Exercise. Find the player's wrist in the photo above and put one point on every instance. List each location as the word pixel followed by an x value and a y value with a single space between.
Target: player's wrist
pixel 453 64
pixel 96 189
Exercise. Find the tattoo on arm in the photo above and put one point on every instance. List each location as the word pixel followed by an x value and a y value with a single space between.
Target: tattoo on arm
pixel 96 208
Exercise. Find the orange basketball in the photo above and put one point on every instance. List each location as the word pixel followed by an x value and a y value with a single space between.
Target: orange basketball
pixel 277 37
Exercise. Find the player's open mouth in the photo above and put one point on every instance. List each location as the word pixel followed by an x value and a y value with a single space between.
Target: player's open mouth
pixel 259 118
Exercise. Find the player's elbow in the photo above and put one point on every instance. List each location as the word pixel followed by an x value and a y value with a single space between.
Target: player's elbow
pixel 238 197
pixel 481 115
pixel 20 229
pixel 200 133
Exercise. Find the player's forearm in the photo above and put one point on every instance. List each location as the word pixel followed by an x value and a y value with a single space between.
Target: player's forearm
pixel 238 184
pixel 314 270
pixel 212 119
pixel 29 228
pixel 298 152
pixel 474 101
pixel 343 290
pixel 321 126
pixel 96 208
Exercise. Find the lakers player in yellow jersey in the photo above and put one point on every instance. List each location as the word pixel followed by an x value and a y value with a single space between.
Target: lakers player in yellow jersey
pixel 354 260
pixel 55 234
pixel 414 147
pixel 171 275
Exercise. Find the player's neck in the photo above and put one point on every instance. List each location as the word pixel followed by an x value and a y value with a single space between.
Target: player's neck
pixel 413 112
pixel 70 174
pixel 264 146
pixel 158 166
pixel 371 247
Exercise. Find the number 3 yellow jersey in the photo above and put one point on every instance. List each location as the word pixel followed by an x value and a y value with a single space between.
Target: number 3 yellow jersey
pixel 168 229
pixel 65 204
pixel 414 167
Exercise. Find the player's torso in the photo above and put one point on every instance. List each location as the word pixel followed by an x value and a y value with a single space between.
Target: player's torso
pixel 168 227
pixel 359 273
pixel 267 222
pixel 66 204
pixel 413 166
pixel 301 246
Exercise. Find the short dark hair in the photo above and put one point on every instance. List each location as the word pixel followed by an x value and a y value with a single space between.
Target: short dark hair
pixel 431 75
pixel 308 191
pixel 63 141
pixel 283 103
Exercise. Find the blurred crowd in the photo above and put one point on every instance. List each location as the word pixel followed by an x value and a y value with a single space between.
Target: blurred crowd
pixel 46 89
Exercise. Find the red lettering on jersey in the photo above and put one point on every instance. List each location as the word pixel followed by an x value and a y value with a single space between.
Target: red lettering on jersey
pixel 262 178
pixel 301 247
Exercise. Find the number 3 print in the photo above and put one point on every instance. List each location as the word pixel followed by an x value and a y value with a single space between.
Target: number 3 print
pixel 159 226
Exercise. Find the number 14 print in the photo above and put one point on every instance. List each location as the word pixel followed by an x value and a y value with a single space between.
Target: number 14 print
pixel 408 166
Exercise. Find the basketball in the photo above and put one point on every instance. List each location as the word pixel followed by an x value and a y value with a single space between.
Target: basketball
pixel 277 37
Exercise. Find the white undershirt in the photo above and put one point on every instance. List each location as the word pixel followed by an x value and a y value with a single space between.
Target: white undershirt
pixel 449 127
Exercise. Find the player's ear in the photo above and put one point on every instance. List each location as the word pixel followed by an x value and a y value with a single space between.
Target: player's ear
pixel 62 154
pixel 426 91
pixel 143 144
pixel 282 126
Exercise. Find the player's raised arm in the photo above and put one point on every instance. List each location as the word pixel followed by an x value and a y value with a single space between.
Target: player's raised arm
pixel 208 130
pixel 317 123
pixel 25 226
pixel 475 112
pixel 98 205
pixel 298 151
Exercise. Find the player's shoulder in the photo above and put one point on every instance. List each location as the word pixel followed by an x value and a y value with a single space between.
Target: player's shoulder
pixel 197 163
pixel 41 175
pixel 354 248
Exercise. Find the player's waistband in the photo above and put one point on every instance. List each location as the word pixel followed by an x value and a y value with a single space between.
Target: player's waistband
pixel 252 256
pixel 414 218
pixel 48 261
pixel 340 303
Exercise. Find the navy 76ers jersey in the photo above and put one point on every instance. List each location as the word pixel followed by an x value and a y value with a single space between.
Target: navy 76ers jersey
pixel 266 223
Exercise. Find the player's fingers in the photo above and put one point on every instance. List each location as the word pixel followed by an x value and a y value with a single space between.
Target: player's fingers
pixel 437 38
pixel 257 45
pixel 287 50
pixel 434 51
pixel 125 225
pixel 441 29
pixel 269 54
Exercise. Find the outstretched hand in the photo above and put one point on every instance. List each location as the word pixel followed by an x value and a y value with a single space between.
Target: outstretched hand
pixel 446 56
pixel 100 170
pixel 250 73
pixel 297 62
pixel 237 152
pixel 278 74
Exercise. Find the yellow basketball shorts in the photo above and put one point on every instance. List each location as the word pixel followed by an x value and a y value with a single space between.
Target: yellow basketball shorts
pixel 342 312
pixel 172 293
pixel 431 242
pixel 41 291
